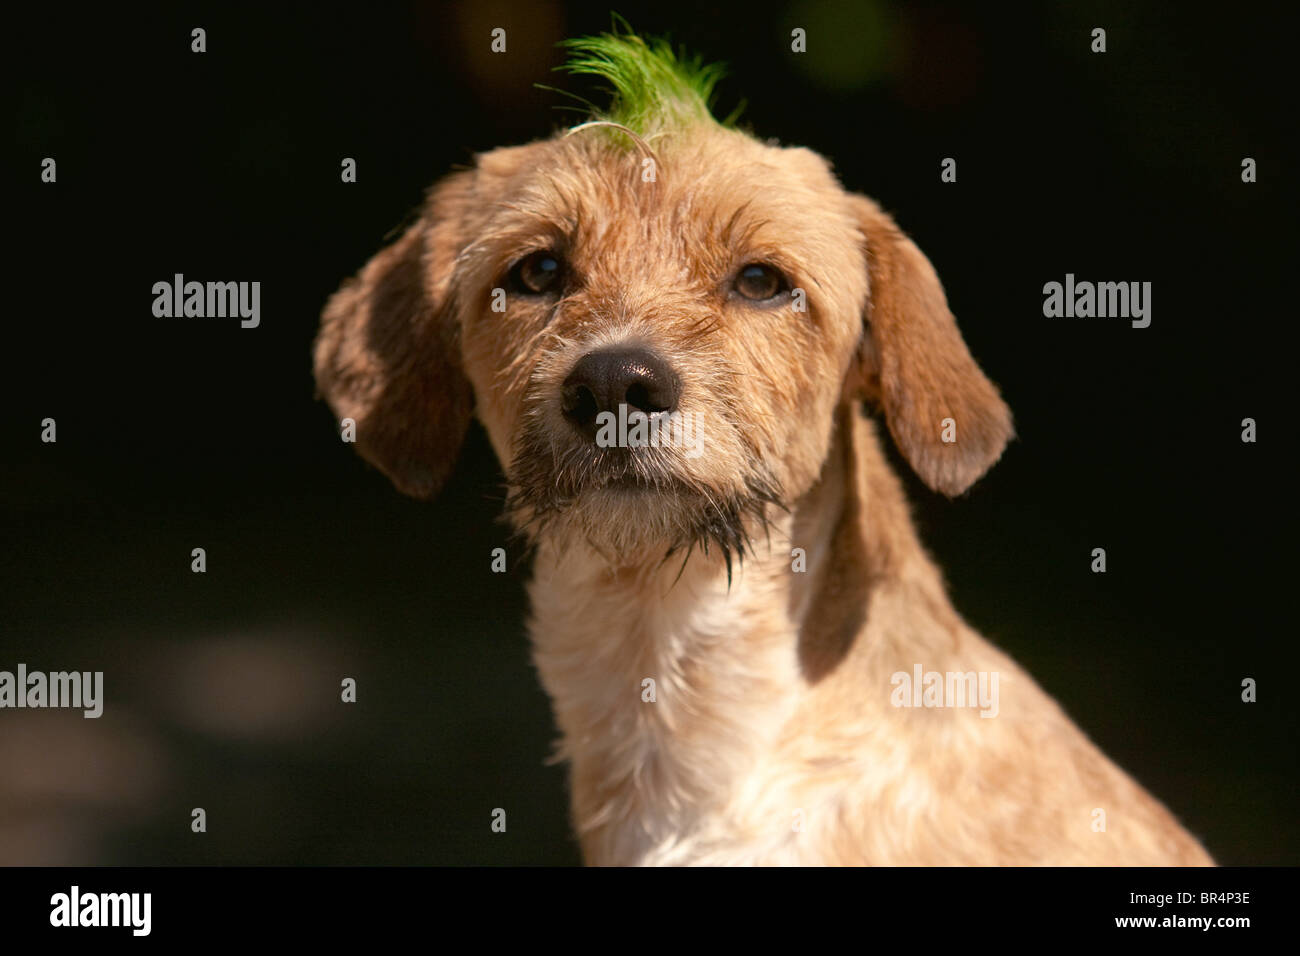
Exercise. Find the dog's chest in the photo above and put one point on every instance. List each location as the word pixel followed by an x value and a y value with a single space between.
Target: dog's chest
pixel 670 700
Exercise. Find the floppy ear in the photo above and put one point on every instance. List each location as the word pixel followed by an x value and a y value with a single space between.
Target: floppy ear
pixel 387 355
pixel 915 363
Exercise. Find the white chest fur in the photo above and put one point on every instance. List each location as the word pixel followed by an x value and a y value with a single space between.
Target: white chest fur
pixel 670 697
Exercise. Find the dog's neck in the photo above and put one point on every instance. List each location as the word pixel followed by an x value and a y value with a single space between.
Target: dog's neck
pixel 668 691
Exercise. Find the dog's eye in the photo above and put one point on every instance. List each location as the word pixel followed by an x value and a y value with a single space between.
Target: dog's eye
pixel 536 274
pixel 758 282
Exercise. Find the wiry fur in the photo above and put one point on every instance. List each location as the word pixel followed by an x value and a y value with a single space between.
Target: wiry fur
pixel 772 688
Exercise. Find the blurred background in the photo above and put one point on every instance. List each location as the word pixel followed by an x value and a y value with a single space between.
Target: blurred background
pixel 222 688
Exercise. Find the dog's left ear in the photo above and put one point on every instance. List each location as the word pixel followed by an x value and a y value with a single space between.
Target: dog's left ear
pixel 945 415
pixel 387 354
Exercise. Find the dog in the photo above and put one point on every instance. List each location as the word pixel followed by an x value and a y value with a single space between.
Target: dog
pixel 740 645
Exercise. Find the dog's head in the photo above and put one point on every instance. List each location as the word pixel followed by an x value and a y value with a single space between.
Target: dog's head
pixel 655 317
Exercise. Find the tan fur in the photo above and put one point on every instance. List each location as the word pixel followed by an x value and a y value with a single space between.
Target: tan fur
pixel 772 737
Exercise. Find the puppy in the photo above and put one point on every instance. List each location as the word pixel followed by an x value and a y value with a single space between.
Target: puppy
pixel 750 656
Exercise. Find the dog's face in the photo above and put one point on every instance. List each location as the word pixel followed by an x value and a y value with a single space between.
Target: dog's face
pixel 700 286
pixel 655 336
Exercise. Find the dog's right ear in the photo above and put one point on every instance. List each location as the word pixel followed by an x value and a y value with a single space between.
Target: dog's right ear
pixel 387 355
pixel 913 359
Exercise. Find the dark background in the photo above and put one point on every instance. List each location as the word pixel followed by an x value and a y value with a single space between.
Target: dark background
pixel 223 688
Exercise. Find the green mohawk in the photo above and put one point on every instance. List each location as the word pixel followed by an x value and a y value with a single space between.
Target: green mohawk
pixel 653 87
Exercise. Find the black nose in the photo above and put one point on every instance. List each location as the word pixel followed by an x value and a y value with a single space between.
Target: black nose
pixel 607 378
